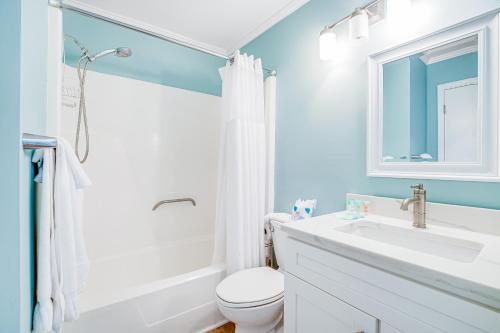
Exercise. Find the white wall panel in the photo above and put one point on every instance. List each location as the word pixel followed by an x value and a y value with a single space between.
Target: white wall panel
pixel 148 143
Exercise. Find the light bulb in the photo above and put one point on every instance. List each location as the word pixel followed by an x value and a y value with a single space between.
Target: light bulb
pixel 358 24
pixel 327 42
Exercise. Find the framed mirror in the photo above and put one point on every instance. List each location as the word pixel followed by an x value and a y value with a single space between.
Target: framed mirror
pixel 433 106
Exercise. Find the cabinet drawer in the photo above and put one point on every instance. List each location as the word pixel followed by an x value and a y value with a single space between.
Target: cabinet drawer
pixel 403 304
pixel 309 309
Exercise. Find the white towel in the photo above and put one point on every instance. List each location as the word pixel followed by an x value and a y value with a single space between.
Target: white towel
pixel 62 262
pixel 279 217
pixel 42 317
pixel 69 181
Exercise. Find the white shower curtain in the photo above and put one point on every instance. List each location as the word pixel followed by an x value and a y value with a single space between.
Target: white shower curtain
pixel 241 195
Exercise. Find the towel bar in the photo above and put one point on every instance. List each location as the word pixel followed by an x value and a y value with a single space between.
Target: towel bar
pixel 174 200
pixel 33 141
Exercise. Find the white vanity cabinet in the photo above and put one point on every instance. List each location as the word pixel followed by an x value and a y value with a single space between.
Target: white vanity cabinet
pixel 326 292
pixel 316 311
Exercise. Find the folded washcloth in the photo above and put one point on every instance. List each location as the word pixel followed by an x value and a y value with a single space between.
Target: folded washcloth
pixel 426 156
pixel 280 217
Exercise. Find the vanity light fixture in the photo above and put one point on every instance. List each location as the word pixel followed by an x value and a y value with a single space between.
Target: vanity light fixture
pixel 359 22
pixel 327 43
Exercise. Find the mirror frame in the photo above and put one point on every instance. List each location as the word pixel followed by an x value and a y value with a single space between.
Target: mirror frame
pixel 487 168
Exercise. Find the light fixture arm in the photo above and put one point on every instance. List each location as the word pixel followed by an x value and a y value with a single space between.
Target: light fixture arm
pixel 359 27
pixel 348 17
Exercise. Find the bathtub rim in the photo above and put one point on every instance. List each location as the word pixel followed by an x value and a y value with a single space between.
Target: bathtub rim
pixel 134 292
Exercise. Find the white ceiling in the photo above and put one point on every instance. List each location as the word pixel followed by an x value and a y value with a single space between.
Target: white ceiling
pixel 220 26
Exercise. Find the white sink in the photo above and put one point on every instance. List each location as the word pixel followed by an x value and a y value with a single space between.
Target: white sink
pixel 420 240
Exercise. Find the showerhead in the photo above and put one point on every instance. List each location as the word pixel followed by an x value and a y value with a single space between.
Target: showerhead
pixel 123 52
pixel 119 52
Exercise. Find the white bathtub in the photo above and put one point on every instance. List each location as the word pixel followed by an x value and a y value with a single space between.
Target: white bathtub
pixel 145 292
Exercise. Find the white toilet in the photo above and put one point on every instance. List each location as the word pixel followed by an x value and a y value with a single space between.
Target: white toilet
pixel 253 298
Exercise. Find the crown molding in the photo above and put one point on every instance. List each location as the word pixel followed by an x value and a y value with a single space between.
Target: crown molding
pixel 449 51
pixel 429 59
pixel 145 27
pixel 175 37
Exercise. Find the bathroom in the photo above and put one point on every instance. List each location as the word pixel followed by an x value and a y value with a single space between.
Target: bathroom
pixel 400 220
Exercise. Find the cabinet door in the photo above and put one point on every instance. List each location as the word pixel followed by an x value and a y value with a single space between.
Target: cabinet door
pixel 309 309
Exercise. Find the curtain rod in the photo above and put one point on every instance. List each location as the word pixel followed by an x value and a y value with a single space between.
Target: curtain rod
pixel 60 4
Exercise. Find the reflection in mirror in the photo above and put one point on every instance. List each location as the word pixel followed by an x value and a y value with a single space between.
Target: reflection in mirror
pixel 430 105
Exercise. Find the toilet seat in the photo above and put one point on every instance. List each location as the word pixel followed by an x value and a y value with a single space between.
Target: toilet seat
pixel 250 288
pixel 250 304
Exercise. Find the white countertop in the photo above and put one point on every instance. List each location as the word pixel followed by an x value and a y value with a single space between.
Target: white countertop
pixel 478 280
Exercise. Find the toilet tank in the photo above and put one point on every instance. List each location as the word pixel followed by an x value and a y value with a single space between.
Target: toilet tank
pixel 279 240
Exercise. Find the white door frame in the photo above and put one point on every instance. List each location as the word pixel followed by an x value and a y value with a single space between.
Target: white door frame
pixel 55 42
pixel 441 89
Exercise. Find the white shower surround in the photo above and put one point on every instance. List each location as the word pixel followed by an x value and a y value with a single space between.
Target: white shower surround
pixel 149 269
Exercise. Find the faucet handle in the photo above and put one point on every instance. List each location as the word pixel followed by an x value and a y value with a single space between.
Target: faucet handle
pixel 417 187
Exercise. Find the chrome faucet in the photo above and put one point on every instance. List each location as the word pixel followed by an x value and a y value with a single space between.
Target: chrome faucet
pixel 418 202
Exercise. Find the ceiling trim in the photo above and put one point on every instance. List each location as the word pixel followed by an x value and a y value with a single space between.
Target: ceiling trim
pixel 278 16
pixel 430 59
pixel 451 50
pixel 145 27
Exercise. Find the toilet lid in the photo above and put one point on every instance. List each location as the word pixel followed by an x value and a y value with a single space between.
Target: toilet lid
pixel 253 285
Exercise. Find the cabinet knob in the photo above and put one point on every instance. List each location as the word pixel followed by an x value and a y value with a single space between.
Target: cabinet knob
pixel 360 332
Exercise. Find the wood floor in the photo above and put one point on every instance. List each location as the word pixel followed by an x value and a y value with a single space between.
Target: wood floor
pixel 228 328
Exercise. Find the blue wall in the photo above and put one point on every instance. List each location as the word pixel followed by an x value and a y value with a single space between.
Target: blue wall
pixel 418 105
pixel 153 59
pixel 10 30
pixel 23 26
pixel 396 125
pixel 405 107
pixel 456 69
pixel 321 116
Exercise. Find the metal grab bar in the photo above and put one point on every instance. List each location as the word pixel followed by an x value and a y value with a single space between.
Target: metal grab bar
pixel 32 141
pixel 174 200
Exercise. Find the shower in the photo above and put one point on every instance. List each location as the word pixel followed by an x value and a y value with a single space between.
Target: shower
pixel 83 62
pixel 121 52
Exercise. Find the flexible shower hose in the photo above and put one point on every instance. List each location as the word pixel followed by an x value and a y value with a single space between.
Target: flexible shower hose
pixel 82 112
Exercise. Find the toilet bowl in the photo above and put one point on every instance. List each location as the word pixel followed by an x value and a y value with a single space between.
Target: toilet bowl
pixel 253 298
